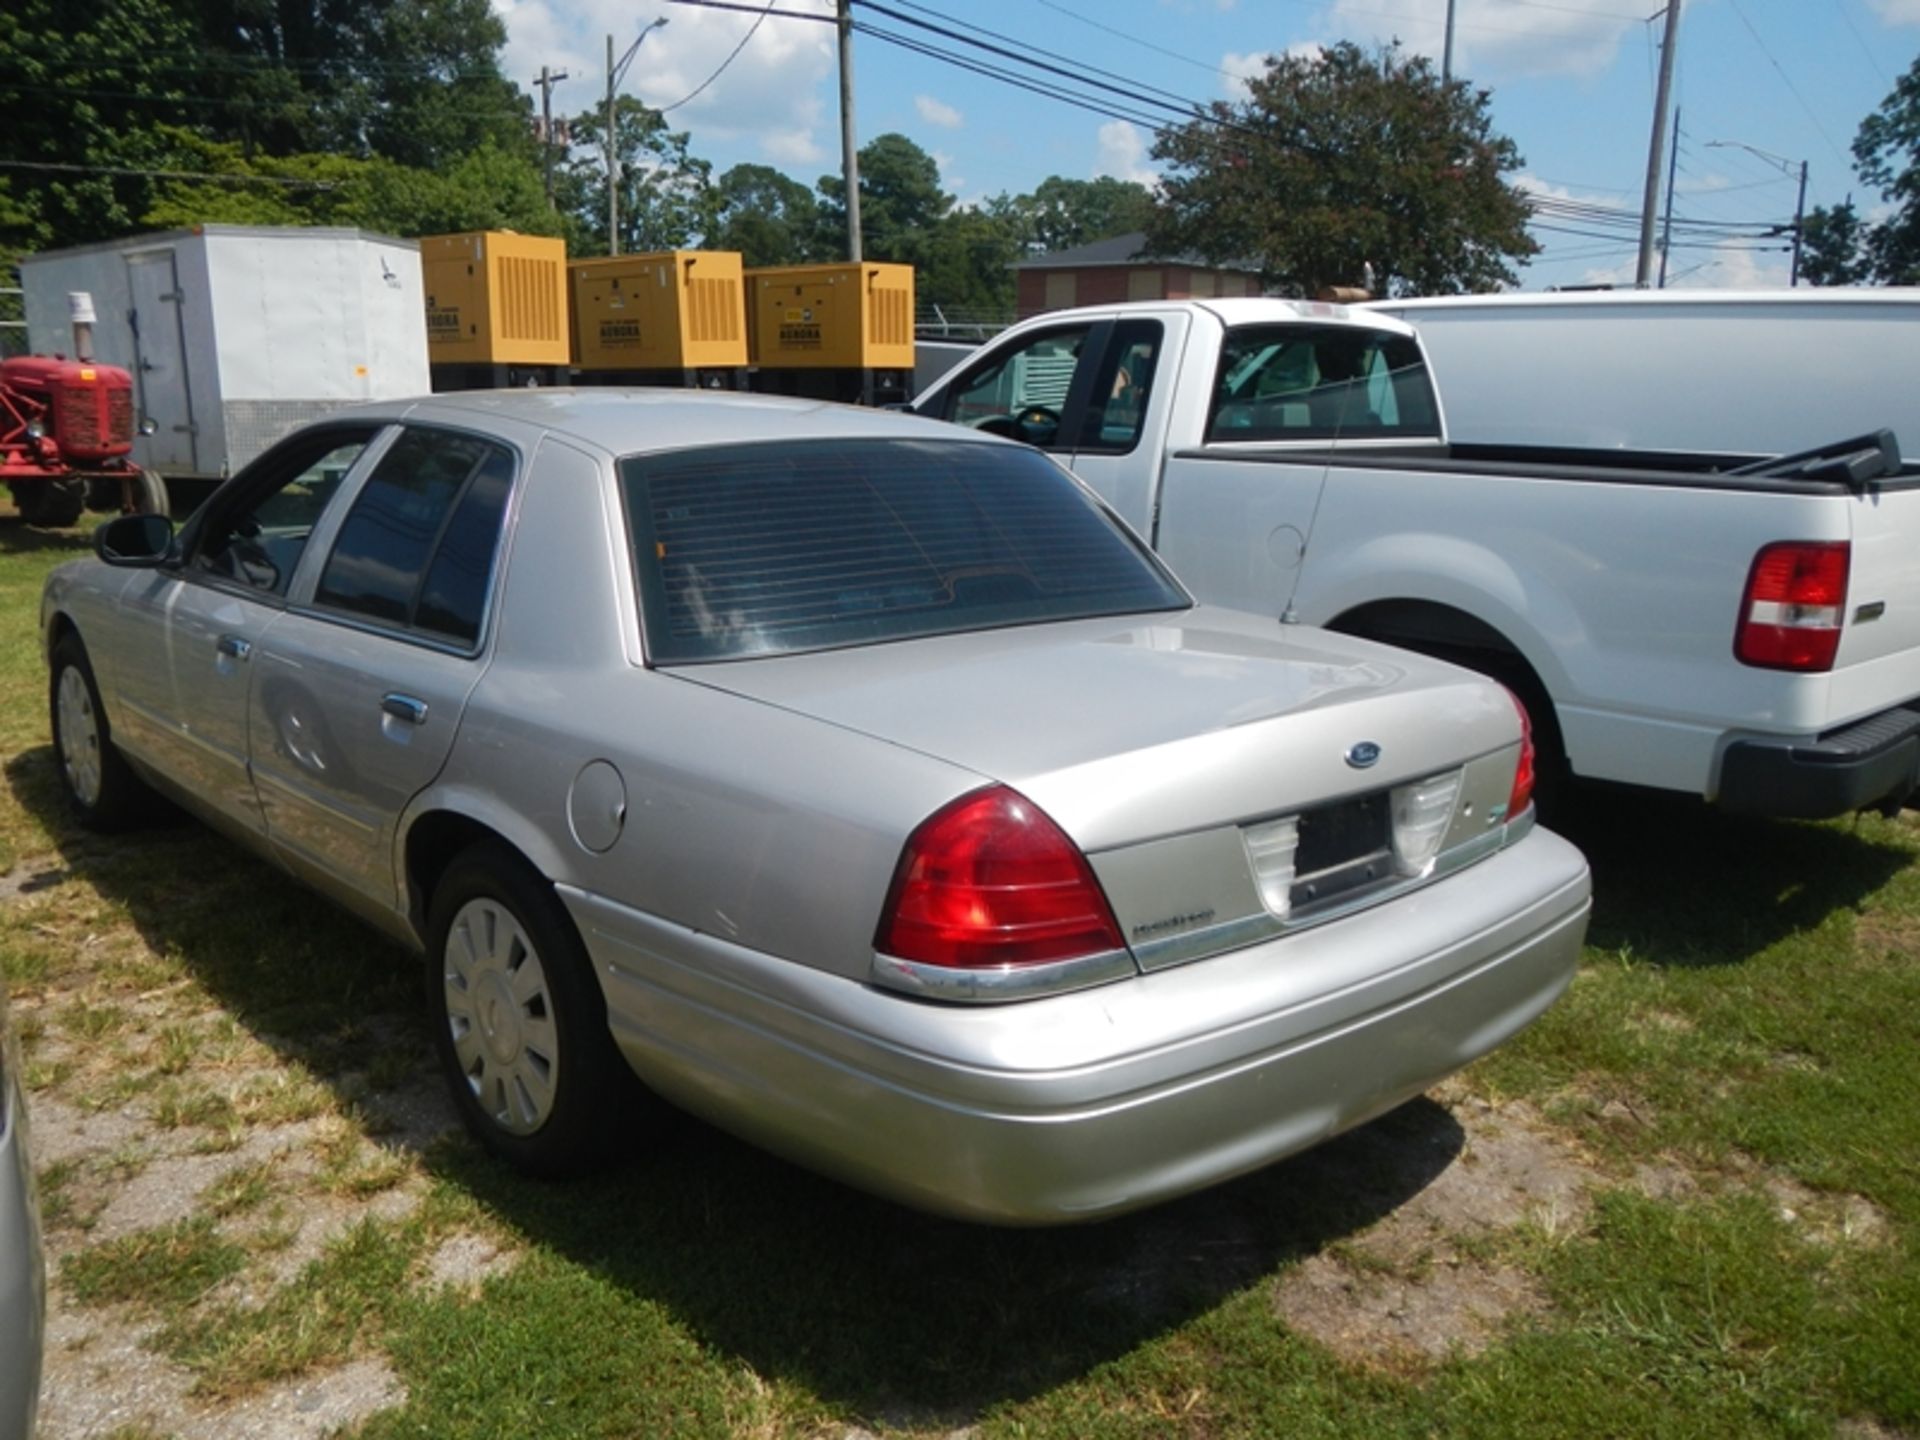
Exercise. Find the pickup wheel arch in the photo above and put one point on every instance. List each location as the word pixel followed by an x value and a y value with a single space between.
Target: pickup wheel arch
pixel 1445 633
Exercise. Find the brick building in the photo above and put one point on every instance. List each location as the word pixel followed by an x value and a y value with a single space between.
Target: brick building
pixel 1117 268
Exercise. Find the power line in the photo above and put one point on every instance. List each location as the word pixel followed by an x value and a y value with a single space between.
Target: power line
pixel 1787 80
pixel 1013 40
pixel 1136 40
pixel 1861 40
pixel 731 57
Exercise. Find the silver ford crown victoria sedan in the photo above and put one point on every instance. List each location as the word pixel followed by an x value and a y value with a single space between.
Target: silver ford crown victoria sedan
pixel 856 782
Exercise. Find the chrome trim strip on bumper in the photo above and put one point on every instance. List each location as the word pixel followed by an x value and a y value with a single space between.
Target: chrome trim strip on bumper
pixel 1001 982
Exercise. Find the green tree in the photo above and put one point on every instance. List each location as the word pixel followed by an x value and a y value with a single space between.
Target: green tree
pixel 1886 155
pixel 1062 213
pixel 82 84
pixel 1342 158
pixel 664 200
pixel 768 217
pixel 965 267
pixel 900 202
pixel 1833 246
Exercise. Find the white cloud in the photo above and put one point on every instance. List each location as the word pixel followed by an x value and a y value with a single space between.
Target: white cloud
pixel 949 181
pixel 1123 154
pixel 1242 68
pixel 1897 12
pixel 1579 37
pixel 768 96
pixel 935 113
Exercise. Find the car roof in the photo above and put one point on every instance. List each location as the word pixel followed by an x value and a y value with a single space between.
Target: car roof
pixel 631 421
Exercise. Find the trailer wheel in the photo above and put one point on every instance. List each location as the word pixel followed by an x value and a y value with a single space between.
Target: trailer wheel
pixel 150 491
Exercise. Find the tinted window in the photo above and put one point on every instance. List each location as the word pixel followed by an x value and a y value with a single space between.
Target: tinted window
pixel 760 549
pixel 258 538
pixel 1122 388
pixel 417 547
pixel 455 595
pixel 1326 383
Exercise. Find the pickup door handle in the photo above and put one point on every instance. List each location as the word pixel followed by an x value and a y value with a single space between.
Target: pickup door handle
pixel 404 707
pixel 234 646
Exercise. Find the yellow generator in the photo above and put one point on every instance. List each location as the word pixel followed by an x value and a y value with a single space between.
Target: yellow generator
pixel 496 309
pixel 833 332
pixel 674 318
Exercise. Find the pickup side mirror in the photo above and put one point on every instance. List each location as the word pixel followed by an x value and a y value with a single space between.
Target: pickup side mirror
pixel 135 542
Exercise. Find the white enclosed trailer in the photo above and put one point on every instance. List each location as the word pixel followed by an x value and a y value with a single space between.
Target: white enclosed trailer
pixel 236 334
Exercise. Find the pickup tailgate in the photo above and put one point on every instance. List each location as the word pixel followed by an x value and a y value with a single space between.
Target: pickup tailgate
pixel 1878 664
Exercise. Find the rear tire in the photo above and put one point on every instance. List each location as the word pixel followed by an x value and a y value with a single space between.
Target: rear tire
pixel 101 787
pixel 518 1020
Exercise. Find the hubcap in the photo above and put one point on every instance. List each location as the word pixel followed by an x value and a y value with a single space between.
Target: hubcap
pixel 500 1015
pixel 79 737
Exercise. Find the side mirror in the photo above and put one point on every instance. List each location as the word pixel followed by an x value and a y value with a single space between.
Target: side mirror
pixel 135 542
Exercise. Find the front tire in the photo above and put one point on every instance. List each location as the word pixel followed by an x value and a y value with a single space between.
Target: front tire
pixel 101 787
pixel 519 1023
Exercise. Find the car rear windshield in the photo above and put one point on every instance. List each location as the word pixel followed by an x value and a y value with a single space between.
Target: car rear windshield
pixel 765 549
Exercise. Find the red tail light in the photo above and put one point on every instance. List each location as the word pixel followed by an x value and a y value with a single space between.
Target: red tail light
pixel 1521 795
pixel 991 880
pixel 1795 606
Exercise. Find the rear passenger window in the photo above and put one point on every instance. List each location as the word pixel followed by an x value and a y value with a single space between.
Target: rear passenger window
pixel 1321 383
pixel 417 549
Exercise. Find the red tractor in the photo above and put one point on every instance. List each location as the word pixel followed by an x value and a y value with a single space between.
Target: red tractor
pixel 66 435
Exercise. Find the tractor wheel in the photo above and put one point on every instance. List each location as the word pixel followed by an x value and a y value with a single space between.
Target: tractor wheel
pixel 56 503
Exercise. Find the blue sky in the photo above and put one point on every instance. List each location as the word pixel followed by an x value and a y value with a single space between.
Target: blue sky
pixel 1571 83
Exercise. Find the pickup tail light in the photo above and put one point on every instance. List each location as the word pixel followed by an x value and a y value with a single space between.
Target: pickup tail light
pixel 990 880
pixel 1794 607
pixel 1521 796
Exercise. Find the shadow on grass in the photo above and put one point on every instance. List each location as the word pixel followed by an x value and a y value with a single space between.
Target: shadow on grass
pixel 906 1319
pixel 1683 884
pixel 866 1304
pixel 19 538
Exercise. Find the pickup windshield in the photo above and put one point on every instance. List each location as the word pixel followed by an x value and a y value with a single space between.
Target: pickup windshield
pixel 1286 382
pixel 771 548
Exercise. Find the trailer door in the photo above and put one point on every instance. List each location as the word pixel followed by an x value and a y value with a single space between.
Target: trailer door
pixel 160 362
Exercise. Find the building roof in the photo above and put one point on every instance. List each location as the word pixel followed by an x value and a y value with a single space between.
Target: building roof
pixel 1128 249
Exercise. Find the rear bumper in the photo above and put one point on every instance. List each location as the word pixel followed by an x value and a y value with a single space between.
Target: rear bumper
pixel 1870 762
pixel 1088 1104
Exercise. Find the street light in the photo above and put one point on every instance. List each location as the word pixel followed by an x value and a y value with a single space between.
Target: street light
pixel 1786 168
pixel 614 72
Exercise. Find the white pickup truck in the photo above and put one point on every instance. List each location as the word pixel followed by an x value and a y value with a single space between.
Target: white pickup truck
pixel 1747 631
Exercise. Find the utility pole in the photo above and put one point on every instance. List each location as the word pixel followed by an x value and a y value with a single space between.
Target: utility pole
pixel 548 79
pixel 614 72
pixel 1799 226
pixel 1666 230
pixel 849 155
pixel 1446 53
pixel 1650 204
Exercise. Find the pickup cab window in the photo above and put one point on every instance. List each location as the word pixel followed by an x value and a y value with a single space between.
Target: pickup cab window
pixel 1117 407
pixel 1020 393
pixel 1321 383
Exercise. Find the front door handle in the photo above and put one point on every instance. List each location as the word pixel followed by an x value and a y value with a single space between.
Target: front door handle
pixel 234 646
pixel 404 707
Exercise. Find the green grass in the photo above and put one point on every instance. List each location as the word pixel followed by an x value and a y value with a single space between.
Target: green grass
pixel 1745 1022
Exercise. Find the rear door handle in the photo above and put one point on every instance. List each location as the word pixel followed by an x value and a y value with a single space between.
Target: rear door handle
pixel 234 646
pixel 404 707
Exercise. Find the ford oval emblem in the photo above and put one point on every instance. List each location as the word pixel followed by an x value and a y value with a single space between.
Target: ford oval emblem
pixel 1363 755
